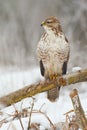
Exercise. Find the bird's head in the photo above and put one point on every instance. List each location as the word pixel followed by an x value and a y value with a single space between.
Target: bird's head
pixel 51 23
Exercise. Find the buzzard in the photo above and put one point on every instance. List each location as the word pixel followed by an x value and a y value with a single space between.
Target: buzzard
pixel 53 53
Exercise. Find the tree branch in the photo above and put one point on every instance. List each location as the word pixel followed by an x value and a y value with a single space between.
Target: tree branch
pixel 31 90
pixel 80 116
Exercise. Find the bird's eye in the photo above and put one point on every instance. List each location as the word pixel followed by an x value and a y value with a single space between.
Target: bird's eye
pixel 49 21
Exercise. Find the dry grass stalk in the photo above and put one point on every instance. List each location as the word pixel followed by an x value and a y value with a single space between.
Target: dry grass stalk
pixel 71 120
pixel 32 105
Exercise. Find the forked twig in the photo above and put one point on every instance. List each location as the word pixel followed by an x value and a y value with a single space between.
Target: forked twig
pixel 38 111
pixel 18 115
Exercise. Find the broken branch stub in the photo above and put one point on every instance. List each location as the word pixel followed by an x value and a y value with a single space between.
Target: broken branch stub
pixel 80 116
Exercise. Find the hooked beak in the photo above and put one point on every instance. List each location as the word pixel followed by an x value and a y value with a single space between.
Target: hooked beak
pixel 43 23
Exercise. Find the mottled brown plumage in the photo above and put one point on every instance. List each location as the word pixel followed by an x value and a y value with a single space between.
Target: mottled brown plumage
pixel 53 53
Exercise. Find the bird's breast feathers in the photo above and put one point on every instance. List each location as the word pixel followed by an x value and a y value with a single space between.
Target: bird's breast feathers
pixel 53 45
pixel 53 51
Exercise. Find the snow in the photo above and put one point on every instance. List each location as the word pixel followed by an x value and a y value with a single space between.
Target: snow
pixel 13 80
pixel 74 69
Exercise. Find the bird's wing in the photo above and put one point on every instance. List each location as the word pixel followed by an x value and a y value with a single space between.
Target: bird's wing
pixel 64 68
pixel 42 68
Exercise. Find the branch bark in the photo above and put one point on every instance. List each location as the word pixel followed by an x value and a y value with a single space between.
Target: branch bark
pixel 80 116
pixel 31 90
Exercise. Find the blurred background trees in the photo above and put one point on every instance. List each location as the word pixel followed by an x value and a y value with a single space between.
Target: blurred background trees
pixel 20 29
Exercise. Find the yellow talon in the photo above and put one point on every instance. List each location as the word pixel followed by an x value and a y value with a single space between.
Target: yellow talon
pixel 53 77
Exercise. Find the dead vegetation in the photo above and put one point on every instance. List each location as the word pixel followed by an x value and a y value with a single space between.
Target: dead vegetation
pixel 70 123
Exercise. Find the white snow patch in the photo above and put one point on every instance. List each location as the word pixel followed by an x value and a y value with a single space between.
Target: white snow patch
pixel 74 69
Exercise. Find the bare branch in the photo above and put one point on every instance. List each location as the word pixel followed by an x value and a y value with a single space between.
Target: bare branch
pixel 80 116
pixel 31 90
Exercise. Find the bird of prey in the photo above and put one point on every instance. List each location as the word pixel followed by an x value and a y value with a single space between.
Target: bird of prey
pixel 53 53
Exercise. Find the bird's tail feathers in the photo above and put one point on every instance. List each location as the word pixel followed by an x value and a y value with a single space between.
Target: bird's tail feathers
pixel 53 94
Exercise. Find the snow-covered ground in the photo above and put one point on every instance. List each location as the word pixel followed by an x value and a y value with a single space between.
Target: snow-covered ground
pixel 11 80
